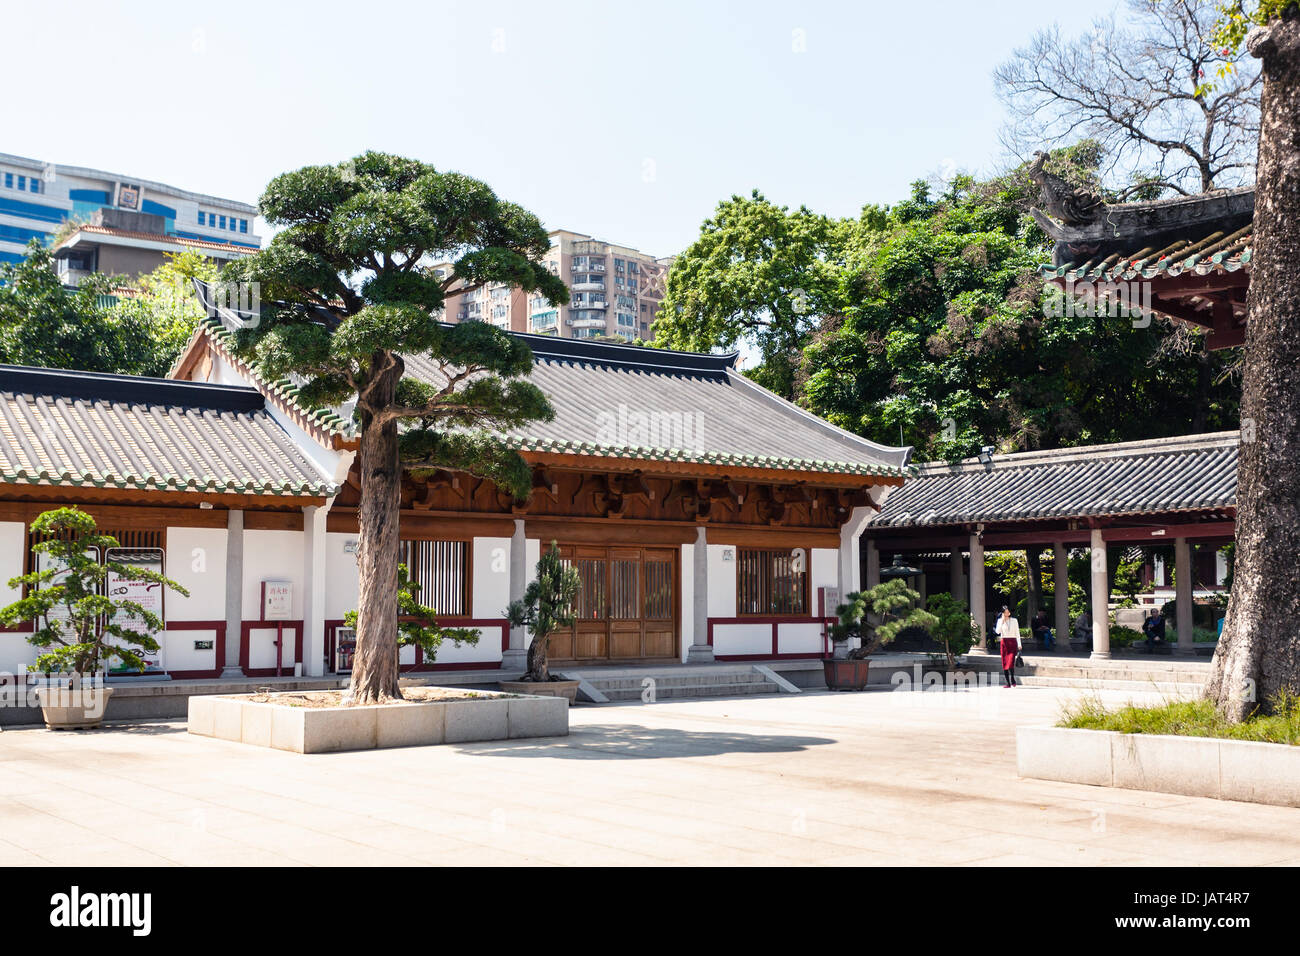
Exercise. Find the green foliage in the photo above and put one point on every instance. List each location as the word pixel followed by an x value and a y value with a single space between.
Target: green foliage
pixel 1238 16
pixel 954 627
pixel 165 304
pixel 757 272
pixel 417 624
pixel 547 606
pixel 1125 636
pixel 347 293
pixel 877 615
pixel 84 626
pixel 46 325
pixel 1277 722
pixel 1128 582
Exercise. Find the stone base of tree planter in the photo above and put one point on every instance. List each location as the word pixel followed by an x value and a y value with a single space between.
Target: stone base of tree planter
pixel 80 708
pixel 306 730
pixel 846 674
pixel 568 689
pixel 1216 767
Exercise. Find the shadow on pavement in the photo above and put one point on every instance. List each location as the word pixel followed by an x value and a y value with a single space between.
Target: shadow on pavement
pixel 607 741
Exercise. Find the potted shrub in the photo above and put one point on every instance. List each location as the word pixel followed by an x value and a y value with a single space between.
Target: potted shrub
pixel 79 625
pixel 874 617
pixel 547 607
pixel 954 630
pixel 417 624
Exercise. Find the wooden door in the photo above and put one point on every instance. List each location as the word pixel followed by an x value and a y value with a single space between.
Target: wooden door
pixel 627 607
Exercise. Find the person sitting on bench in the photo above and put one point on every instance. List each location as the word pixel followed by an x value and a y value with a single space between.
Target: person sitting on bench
pixel 1154 628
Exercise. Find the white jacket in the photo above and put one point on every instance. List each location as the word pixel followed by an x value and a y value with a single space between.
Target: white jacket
pixel 1009 627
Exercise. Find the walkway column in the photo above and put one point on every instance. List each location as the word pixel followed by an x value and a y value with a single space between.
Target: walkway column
pixel 873 566
pixel 1061 586
pixel 313 598
pixel 977 612
pixel 700 652
pixel 515 658
pixel 1100 597
pixel 234 591
pixel 956 576
pixel 1183 581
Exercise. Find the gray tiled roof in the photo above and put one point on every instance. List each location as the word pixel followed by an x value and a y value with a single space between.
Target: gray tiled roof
pixel 1192 473
pixel 698 408
pixel 116 431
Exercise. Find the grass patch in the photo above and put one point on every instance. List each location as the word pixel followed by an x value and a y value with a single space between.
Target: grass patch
pixel 1189 718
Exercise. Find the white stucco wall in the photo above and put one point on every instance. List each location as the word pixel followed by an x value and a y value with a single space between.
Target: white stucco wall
pixel 687 616
pixel 342 582
pixel 15 652
pixel 722 581
pixel 490 589
pixel 272 556
pixel 196 559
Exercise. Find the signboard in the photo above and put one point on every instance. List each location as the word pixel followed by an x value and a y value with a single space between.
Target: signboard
pixel 277 600
pixel 129 197
pixel 148 594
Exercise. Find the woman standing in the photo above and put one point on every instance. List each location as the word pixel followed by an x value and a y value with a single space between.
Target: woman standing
pixel 1008 630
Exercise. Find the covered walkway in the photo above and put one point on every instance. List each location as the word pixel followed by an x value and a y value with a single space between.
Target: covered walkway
pixel 1171 490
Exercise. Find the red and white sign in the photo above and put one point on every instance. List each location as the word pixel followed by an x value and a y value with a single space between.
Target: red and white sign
pixel 277 600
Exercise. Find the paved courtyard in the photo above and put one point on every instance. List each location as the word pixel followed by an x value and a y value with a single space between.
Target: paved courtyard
pixel 818 778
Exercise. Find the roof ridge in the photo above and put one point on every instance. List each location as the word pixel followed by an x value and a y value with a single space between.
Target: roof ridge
pixel 1047 456
pixel 127 389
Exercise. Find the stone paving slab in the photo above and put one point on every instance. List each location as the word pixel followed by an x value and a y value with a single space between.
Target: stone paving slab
pixel 810 779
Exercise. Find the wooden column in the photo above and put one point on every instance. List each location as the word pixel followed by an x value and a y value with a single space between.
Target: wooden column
pixel 1184 579
pixel 977 589
pixel 1100 597
pixel 1061 573
pixel 873 565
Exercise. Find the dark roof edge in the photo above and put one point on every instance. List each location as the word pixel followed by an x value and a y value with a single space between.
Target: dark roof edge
pixel 608 353
pixel 133 389
pixel 896 456
pixel 1142 447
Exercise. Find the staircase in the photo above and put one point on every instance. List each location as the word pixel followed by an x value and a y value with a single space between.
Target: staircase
pixel 1180 678
pixel 651 684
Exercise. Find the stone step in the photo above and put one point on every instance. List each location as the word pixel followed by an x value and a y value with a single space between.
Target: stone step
pixel 1172 688
pixel 1168 675
pixel 675 680
pixel 663 692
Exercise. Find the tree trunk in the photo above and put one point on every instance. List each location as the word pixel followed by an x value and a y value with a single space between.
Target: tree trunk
pixel 375 664
pixel 1259 653
pixel 538 665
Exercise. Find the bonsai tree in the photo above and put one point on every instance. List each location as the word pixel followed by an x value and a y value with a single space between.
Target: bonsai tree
pixel 349 296
pixel 81 626
pixel 417 624
pixel 876 616
pixel 954 627
pixel 547 607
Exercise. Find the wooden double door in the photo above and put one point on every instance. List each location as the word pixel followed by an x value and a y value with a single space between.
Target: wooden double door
pixel 627 608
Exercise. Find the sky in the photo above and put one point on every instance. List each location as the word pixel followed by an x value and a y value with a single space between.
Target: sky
pixel 625 121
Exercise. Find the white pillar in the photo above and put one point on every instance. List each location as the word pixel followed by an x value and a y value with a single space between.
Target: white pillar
pixel 1183 580
pixel 1100 597
pixel 234 591
pixel 700 651
pixel 957 576
pixel 313 598
pixel 977 611
pixel 1061 577
pixel 515 657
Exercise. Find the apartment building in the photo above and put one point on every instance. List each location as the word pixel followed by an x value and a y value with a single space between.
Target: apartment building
pixel 125 224
pixel 615 292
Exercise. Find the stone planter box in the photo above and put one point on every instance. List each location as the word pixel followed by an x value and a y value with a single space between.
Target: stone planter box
pixel 1243 770
pixel 308 730
pixel 568 689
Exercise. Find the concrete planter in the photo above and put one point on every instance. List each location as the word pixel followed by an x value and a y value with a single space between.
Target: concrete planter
pixel 80 708
pixel 1191 766
pixel 568 689
pixel 307 730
